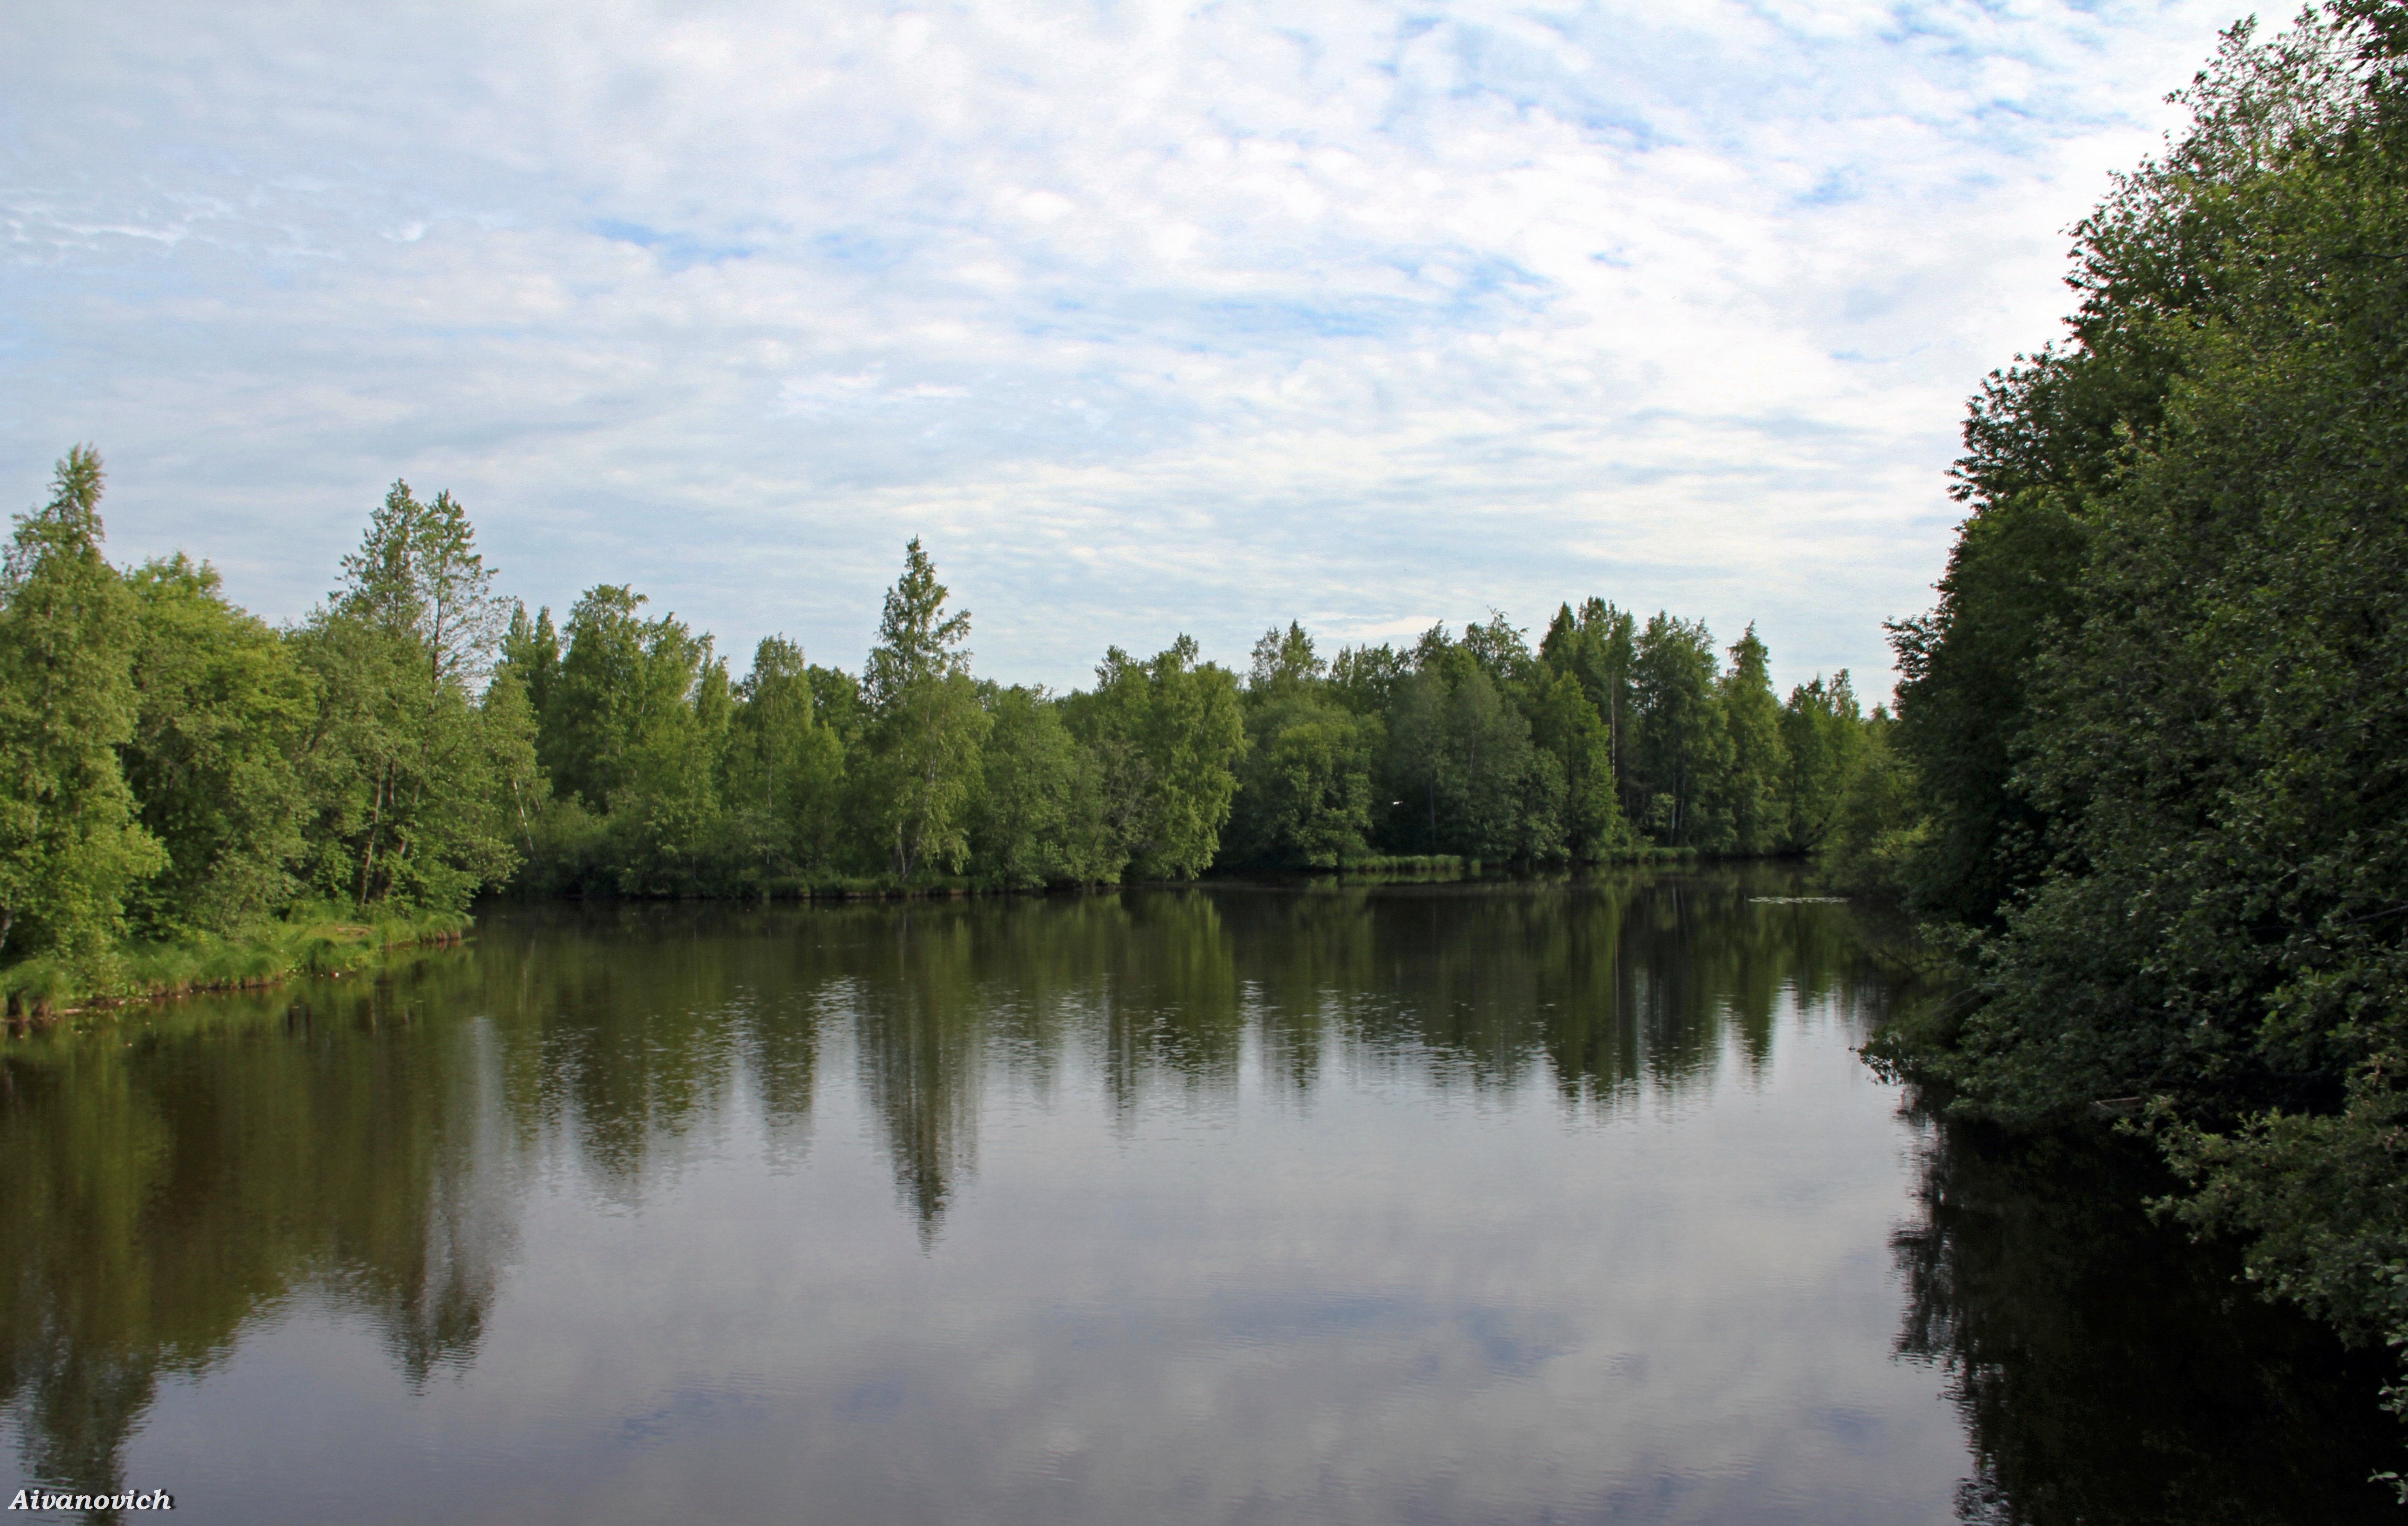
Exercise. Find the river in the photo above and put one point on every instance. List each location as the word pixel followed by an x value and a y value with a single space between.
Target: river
pixel 1533 1201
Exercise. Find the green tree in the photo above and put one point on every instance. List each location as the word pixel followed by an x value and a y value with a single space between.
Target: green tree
pixel 1365 680
pixel 222 708
pixel 920 750
pixel 1964 666
pixel 70 842
pixel 599 698
pixel 1038 817
pixel 1459 750
pixel 783 768
pixel 404 804
pixel 507 730
pixel 2175 611
pixel 1596 647
pixel 1285 665
pixel 1304 783
pixel 1880 823
pixel 1759 762
pixel 1681 755
pixel 1564 724
pixel 2171 257
pixel 1168 733
pixel 1824 739
pixel 1309 778
pixel 530 653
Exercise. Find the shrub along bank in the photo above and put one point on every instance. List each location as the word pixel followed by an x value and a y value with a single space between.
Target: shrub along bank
pixel 2151 744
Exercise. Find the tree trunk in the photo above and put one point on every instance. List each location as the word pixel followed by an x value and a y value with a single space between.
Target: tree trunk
pixel 376 820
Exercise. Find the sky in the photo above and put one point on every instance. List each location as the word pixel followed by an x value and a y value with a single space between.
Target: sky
pixel 1147 319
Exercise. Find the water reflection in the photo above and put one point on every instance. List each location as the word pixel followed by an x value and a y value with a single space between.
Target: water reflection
pixel 163 1191
pixel 2109 1370
pixel 409 1155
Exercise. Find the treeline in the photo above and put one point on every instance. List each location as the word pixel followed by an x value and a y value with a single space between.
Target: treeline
pixel 179 770
pixel 2154 738
pixel 669 775
pixel 183 783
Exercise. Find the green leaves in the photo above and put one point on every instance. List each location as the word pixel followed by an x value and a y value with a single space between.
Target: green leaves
pixel 223 709
pixel 2159 719
pixel 917 641
pixel 406 805
pixel 70 843
pixel 1168 733
pixel 920 753
pixel 419 739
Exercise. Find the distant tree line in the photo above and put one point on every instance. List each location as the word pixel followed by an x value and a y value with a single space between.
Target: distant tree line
pixel 2151 756
pixel 666 776
pixel 177 768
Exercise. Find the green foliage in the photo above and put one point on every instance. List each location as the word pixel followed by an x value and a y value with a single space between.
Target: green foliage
pixel 1597 649
pixel 1038 817
pixel 71 842
pixel 1566 729
pixel 400 772
pixel 1305 798
pixel 2159 717
pixel 1881 823
pixel 784 770
pixel 2323 1197
pixel 1825 742
pixel 182 779
pixel 418 740
pixel 1304 784
pixel 507 729
pixel 1682 758
pixel 634 738
pixel 1363 679
pixel 1759 758
pixel 222 708
pixel 530 655
pixel 1167 735
pixel 1461 757
pixel 621 683
pixel 1962 707
pixel 920 752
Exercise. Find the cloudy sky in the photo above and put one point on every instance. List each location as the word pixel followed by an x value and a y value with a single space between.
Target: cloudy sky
pixel 1148 317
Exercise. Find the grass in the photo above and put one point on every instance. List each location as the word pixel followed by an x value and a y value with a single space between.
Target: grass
pixel 308 940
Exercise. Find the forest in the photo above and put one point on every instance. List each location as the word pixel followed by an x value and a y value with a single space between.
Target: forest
pixel 2154 736
pixel 193 792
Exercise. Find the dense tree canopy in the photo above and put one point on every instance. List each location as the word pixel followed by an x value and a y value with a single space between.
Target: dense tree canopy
pixel 2153 741
pixel 181 770
pixel 71 840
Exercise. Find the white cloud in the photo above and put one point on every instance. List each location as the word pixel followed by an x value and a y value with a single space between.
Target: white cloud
pixel 1151 319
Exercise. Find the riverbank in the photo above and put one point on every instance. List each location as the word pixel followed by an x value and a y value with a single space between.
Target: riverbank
pixel 322 940
pixel 333 940
pixel 1366 869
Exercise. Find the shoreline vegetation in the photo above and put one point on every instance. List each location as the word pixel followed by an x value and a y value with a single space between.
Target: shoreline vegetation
pixel 308 941
pixel 194 799
pixel 2153 740
pixel 330 941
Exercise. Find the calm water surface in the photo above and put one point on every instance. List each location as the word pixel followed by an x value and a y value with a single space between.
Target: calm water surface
pixel 1535 1203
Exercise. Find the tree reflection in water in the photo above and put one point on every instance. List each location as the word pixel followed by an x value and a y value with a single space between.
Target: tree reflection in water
pixel 369 1147
pixel 2111 1371
pixel 163 1192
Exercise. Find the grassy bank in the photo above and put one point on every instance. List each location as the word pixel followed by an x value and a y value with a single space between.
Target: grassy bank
pixel 317 940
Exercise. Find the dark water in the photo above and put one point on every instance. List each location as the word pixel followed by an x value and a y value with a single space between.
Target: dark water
pixel 1515 1204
